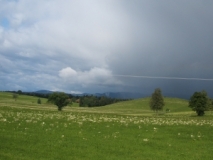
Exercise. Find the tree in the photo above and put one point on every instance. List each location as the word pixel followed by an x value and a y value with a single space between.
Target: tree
pixel 157 100
pixel 15 96
pixel 199 102
pixel 19 92
pixel 60 99
pixel 39 101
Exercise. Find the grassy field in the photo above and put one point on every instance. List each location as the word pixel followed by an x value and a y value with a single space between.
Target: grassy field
pixel 125 130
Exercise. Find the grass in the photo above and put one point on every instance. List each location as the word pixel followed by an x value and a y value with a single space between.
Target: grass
pixel 141 106
pixel 32 131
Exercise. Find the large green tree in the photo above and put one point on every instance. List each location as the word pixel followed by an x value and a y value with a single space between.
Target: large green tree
pixel 199 102
pixel 60 99
pixel 157 100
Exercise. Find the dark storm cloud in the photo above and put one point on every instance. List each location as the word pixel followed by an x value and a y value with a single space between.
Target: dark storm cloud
pixel 175 35
pixel 169 38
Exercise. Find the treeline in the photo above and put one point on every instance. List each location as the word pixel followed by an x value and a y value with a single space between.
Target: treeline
pixel 40 95
pixel 95 101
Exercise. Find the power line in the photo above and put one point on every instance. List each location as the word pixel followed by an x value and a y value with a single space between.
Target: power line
pixel 172 78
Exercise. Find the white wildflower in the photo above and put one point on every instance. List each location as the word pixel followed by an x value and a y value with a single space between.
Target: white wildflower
pixel 199 135
pixel 145 140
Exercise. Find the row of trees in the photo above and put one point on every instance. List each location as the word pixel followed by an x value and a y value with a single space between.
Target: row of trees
pixel 19 92
pixel 61 99
pixel 94 101
pixel 40 95
pixel 199 102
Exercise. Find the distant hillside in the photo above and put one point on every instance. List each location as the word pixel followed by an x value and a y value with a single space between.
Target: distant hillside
pixel 125 95
pixel 141 107
pixel 44 92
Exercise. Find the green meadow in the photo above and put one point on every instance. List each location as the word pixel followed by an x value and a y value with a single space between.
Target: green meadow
pixel 124 130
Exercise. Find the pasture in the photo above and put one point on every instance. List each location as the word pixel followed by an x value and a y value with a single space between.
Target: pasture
pixel 124 130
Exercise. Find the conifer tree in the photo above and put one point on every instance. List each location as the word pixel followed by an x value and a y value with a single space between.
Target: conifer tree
pixel 157 100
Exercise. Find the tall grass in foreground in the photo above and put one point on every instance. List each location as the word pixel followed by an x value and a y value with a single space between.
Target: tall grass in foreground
pixel 37 134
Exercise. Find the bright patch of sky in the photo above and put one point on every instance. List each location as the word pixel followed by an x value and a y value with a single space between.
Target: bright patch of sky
pixel 4 23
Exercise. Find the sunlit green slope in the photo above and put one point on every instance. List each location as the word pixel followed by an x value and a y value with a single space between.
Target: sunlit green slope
pixel 141 106
pixel 131 107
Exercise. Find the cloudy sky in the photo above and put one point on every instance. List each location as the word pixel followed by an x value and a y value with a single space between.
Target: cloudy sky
pixel 107 45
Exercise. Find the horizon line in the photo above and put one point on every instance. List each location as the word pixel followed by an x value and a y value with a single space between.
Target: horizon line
pixel 155 77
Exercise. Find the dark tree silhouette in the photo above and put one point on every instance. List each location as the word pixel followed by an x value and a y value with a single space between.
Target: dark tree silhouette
pixel 157 100
pixel 199 102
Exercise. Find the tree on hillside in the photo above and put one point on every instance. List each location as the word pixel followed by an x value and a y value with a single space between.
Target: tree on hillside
pixel 157 100
pixel 39 101
pixel 15 96
pixel 199 102
pixel 60 99
pixel 19 92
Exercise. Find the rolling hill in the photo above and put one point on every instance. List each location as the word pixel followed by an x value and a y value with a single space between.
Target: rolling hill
pixel 138 107
pixel 141 107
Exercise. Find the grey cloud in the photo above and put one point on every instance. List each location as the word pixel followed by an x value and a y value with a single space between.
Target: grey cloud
pixel 170 39
pixel 148 38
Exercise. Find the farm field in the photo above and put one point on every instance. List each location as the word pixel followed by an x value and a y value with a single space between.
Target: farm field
pixel 124 130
